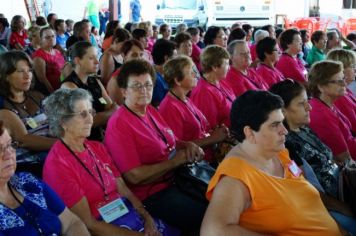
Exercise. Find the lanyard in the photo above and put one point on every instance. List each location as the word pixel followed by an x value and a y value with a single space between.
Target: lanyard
pixel 221 90
pixel 155 129
pixel 101 182
pixel 186 104
pixel 335 110
pixel 259 86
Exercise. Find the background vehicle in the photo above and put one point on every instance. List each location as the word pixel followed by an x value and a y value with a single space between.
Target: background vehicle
pixel 227 12
pixel 174 12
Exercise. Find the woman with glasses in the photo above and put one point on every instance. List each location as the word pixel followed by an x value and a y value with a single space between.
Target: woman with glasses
pixel 326 85
pixel 47 61
pixel 83 56
pixel 27 205
pixel 146 151
pixel 84 175
pixel 347 103
pixel 267 52
pixel 131 49
pixel 306 149
pixel 22 111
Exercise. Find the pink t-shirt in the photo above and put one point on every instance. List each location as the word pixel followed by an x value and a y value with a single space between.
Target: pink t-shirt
pixel 332 127
pixel 196 51
pixel 54 65
pixel 253 51
pixel 270 75
pixel 240 83
pixel 186 120
pixel 135 141
pixel 64 173
pixel 214 101
pixel 292 68
pixel 347 105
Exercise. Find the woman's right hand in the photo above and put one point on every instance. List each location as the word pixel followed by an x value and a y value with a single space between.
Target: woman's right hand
pixel 220 133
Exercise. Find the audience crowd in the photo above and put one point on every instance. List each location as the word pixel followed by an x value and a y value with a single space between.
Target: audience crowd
pixel 95 127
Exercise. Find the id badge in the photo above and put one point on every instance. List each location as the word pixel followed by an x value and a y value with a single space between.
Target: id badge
pixel 296 171
pixel 32 123
pixel 102 101
pixel 113 210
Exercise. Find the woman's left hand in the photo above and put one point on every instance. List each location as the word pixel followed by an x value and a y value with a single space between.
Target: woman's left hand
pixel 150 228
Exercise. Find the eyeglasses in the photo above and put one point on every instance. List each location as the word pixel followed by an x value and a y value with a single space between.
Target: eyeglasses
pixel 83 114
pixel 139 87
pixel 11 147
pixel 340 82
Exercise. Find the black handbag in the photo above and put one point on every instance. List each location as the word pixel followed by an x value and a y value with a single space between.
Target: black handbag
pixel 193 179
pixel 347 184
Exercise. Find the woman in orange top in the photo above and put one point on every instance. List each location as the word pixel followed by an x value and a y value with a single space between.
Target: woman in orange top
pixel 264 189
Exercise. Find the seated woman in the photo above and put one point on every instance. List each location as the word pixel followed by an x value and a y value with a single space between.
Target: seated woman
pixel 347 103
pixel 318 38
pixel 111 59
pixel 185 47
pixel 21 110
pixel 83 56
pixel 29 206
pixel 259 182
pixel 210 96
pixel 47 61
pixel 289 63
pixel 215 36
pixel 84 175
pixel 186 120
pixel 267 52
pixel 326 85
pixel 131 49
pixel 304 145
pixel 146 152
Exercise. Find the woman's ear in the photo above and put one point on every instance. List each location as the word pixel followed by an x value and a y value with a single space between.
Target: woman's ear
pixel 177 82
pixel 249 134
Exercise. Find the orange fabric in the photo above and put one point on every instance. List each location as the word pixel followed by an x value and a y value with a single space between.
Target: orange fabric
pixel 279 206
pixel 106 43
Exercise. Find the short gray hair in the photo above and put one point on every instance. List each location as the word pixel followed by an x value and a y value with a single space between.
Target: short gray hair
pixel 231 47
pixel 260 34
pixel 61 103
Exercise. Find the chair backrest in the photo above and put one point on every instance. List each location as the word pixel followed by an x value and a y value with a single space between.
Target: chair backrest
pixel 306 23
pixel 350 25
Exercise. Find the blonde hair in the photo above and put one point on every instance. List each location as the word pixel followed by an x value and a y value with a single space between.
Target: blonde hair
pixel 32 31
pixel 173 69
pixel 346 57
pixel 212 56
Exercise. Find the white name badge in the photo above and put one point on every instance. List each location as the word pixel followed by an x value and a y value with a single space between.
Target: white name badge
pixel 102 101
pixel 296 171
pixel 113 210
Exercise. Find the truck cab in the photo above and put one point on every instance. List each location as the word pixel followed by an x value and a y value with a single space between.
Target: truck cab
pixel 174 12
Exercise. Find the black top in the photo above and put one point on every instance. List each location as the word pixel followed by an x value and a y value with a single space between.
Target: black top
pixel 305 144
pixel 94 89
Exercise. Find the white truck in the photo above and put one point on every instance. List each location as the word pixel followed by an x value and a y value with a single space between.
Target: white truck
pixel 174 12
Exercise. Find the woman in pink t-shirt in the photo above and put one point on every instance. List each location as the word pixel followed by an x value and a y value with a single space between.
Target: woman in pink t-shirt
pixel 83 174
pixel 47 61
pixel 210 96
pixel 327 84
pixel 347 103
pixel 146 152
pixel 267 52
pixel 186 120
pixel 289 63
